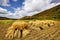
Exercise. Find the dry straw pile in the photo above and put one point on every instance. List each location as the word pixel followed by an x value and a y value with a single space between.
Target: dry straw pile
pixel 21 28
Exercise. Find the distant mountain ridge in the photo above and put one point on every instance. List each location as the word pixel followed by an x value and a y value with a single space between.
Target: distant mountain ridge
pixel 4 18
pixel 53 13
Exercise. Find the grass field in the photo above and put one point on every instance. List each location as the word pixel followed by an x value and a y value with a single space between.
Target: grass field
pixel 50 33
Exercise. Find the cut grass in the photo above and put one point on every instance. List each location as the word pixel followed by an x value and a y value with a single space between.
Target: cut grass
pixel 4 24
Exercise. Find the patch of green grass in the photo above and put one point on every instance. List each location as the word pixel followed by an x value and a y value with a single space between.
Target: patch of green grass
pixel 6 21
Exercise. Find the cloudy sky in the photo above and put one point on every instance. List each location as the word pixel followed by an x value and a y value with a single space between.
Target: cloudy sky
pixel 20 8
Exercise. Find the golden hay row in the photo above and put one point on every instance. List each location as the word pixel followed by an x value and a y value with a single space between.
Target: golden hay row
pixel 17 28
pixel 21 28
pixel 41 24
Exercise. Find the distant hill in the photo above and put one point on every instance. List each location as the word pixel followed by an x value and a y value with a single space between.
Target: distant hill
pixel 52 14
pixel 4 18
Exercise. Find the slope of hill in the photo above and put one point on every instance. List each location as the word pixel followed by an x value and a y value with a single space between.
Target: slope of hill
pixel 4 18
pixel 53 13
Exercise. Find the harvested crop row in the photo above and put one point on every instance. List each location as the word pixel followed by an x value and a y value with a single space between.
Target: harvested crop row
pixel 23 28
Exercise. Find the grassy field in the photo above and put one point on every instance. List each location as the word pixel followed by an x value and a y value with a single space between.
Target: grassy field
pixel 4 24
pixel 51 33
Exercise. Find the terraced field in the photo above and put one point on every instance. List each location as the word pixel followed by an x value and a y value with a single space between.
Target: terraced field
pixel 50 33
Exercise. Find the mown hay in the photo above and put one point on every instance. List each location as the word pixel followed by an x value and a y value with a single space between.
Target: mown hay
pixel 15 29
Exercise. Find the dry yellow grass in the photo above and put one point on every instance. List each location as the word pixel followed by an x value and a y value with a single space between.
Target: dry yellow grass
pixel 17 28
pixel 41 24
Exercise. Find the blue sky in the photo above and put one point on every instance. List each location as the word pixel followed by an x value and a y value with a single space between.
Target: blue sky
pixel 13 5
pixel 20 8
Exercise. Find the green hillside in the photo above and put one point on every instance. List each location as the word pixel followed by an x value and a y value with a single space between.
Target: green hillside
pixel 51 14
pixel 4 18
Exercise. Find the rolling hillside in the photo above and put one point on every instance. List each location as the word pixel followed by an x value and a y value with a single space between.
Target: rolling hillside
pixel 4 18
pixel 51 14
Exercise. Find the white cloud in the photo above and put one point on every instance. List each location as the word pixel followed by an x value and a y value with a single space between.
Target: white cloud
pixel 30 8
pixel 4 12
pixel 4 2
pixel 32 5
pixel 8 14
